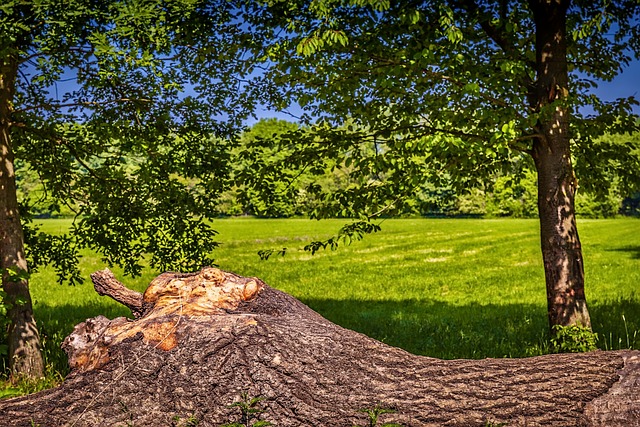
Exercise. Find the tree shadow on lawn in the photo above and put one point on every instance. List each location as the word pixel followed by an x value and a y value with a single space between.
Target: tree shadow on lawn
pixel 443 330
pixel 55 322
pixel 617 323
pixel 633 250
pixel 472 331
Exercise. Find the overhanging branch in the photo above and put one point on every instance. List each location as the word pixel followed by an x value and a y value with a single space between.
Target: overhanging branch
pixel 54 106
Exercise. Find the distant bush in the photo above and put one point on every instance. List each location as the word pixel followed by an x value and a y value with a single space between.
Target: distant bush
pixel 513 197
pixel 592 206
pixel 433 200
pixel 472 203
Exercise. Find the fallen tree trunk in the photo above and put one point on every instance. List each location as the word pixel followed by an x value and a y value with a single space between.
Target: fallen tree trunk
pixel 203 341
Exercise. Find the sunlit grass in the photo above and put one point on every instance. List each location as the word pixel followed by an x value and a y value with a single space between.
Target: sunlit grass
pixel 438 287
pixel 444 288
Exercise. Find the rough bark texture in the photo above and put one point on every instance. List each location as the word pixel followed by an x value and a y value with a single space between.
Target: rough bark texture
pixel 24 342
pixel 561 249
pixel 203 339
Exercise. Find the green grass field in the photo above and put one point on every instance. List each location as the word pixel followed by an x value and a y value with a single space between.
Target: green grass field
pixel 448 288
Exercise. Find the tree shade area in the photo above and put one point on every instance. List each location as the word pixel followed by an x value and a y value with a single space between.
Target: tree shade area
pixel 412 107
pixel 467 86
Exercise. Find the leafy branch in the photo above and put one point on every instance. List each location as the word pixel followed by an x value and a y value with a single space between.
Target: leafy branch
pixel 50 106
pixel 347 234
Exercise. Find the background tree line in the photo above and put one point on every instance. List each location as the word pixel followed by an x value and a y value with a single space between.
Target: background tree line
pixel 508 193
pixel 512 193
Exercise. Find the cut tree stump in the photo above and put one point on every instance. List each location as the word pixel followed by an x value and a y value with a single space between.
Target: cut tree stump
pixel 200 341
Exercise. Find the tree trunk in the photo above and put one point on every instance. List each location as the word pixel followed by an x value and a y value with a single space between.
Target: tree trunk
pixel 203 340
pixel 561 250
pixel 25 357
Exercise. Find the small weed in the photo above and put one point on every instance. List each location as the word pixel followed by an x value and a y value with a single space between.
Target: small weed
pixel 492 424
pixel 190 421
pixel 630 343
pixel 573 339
pixel 125 410
pixel 374 414
pixel 249 412
pixel 8 391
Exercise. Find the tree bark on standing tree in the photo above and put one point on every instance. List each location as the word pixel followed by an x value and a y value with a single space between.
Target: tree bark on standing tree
pixel 25 357
pixel 557 185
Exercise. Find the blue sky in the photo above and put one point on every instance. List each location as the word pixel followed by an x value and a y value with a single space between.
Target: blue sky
pixel 624 85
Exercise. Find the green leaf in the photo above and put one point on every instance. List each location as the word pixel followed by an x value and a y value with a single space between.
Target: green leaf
pixel 472 87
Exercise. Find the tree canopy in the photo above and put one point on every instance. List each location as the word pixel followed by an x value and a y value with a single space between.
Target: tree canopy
pixel 123 144
pixel 123 111
pixel 413 92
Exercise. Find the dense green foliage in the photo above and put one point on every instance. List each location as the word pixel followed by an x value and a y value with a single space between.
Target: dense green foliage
pixel 121 145
pixel 508 194
pixel 439 91
pixel 445 288
pixel 512 193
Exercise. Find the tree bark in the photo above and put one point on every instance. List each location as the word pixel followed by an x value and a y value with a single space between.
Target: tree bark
pixel 25 357
pixel 557 185
pixel 204 339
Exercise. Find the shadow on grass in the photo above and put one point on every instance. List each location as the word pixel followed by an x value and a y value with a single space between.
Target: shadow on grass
pixel 633 250
pixel 443 330
pixel 56 322
pixel 431 328
pixel 617 323
pixel 447 331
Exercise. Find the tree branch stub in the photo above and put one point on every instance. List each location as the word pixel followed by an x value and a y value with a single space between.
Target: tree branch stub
pixel 105 283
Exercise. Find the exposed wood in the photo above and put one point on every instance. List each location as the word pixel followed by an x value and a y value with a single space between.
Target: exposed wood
pixel 206 338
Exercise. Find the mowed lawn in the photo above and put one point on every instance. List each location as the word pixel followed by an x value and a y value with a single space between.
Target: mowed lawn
pixel 447 288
